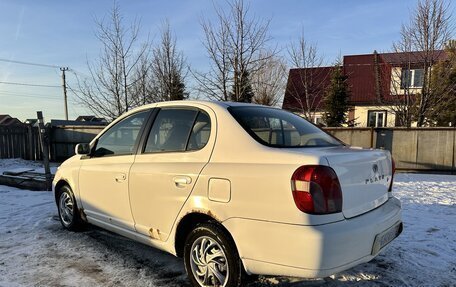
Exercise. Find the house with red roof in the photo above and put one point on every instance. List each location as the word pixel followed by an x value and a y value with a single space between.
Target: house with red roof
pixel 376 81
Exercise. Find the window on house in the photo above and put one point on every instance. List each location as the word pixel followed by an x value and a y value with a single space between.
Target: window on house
pixel 412 78
pixel 318 120
pixel 376 119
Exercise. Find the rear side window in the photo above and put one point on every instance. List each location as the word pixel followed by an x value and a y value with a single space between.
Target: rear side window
pixel 177 130
pixel 200 132
pixel 279 128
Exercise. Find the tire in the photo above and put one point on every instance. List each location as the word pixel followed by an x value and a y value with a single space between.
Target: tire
pixel 68 210
pixel 224 270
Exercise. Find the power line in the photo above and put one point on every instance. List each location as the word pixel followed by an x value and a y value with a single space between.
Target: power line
pixel 13 93
pixel 76 73
pixel 29 63
pixel 27 96
pixel 30 85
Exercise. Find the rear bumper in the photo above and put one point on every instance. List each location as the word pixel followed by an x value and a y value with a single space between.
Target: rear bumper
pixel 311 251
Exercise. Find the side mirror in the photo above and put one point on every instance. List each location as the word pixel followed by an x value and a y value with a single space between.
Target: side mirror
pixel 82 149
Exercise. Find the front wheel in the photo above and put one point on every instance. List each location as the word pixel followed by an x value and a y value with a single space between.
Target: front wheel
pixel 68 210
pixel 211 258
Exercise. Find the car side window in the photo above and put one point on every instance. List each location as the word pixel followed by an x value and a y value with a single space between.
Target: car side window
pixel 120 139
pixel 171 130
pixel 200 132
pixel 177 130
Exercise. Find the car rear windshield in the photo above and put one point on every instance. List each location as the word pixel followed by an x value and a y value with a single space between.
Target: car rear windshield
pixel 279 128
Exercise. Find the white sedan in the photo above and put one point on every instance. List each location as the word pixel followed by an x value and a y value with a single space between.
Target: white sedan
pixel 235 189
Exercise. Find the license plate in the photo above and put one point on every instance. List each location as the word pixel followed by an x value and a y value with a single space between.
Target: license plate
pixel 382 239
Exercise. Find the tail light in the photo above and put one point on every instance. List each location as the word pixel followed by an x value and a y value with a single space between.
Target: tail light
pixel 393 171
pixel 316 190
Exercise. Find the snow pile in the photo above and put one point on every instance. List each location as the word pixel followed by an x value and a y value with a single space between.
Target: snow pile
pixel 36 251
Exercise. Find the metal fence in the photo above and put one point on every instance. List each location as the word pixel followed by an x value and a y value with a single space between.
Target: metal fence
pixel 430 149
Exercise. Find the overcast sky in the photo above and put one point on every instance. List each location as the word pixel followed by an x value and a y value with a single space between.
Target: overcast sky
pixel 62 33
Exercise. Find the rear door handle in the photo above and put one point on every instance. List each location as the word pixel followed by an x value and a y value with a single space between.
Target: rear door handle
pixel 181 181
pixel 121 177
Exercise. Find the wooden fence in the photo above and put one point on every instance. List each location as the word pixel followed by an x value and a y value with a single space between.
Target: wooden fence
pixel 20 142
pixel 413 149
pixel 63 139
pixel 24 142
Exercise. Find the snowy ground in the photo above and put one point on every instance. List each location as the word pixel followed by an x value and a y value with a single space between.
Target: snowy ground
pixel 36 251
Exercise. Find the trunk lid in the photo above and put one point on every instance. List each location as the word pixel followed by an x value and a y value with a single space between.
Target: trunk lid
pixel 364 176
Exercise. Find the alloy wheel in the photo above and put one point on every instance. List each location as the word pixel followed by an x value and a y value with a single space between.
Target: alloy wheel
pixel 208 263
pixel 66 208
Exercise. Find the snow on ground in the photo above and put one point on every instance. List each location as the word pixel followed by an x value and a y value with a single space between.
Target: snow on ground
pixel 17 163
pixel 36 251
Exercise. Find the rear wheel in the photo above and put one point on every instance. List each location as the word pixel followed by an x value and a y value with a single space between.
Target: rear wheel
pixel 68 210
pixel 211 258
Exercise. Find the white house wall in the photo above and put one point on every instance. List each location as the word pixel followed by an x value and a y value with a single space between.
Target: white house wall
pixel 361 113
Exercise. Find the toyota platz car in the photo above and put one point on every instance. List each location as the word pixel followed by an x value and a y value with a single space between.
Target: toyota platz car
pixel 235 189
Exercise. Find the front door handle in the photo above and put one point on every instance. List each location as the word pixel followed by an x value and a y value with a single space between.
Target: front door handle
pixel 121 177
pixel 181 181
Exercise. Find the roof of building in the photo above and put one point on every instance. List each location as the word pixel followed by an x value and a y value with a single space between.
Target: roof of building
pixel 75 123
pixel 412 57
pixel 3 118
pixel 30 121
pixel 316 80
pixel 7 120
pixel 90 119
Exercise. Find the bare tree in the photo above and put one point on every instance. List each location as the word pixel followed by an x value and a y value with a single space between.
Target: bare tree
pixel 216 82
pixel 161 72
pixel 234 42
pixel 308 91
pixel 168 68
pixel 443 79
pixel 108 90
pixel 143 88
pixel 427 32
pixel 402 99
pixel 269 81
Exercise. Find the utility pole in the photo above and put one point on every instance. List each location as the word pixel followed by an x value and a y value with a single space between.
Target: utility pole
pixel 64 69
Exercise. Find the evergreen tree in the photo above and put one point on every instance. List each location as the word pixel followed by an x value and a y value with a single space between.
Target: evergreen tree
pixel 242 89
pixel 336 100
pixel 177 88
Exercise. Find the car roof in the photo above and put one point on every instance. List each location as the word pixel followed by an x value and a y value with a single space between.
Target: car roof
pixel 208 103
pixel 204 102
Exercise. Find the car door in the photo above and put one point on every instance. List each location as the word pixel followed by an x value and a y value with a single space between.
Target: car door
pixel 177 148
pixel 103 176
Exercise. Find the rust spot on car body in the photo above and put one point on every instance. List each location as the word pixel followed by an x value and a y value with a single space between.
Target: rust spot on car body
pixel 154 233
pixel 82 214
pixel 207 212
